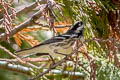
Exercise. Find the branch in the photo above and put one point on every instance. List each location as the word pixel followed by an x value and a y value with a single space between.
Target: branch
pixel 16 68
pixel 66 72
pixel 39 59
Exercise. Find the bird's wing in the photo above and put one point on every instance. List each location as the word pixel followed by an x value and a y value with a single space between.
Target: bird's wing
pixel 49 41
pixel 52 40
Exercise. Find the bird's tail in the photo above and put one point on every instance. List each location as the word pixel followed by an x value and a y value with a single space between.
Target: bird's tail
pixel 24 53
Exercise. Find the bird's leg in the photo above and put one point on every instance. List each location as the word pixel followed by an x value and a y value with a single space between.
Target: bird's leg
pixel 59 52
pixel 41 54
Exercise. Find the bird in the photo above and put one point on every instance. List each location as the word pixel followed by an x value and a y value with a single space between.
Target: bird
pixel 57 46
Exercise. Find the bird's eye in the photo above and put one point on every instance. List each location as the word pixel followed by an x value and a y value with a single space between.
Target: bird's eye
pixel 80 23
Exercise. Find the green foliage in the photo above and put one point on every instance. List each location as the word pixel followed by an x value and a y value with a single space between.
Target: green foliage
pixel 107 71
pixel 8 75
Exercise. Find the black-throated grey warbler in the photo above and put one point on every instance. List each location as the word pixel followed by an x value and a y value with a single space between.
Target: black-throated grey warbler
pixel 56 46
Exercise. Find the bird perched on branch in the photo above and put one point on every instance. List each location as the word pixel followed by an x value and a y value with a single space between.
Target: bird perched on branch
pixel 57 46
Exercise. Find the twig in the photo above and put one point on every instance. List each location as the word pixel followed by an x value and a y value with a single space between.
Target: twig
pixel 84 68
pixel 24 24
pixel 36 59
pixel 26 59
pixel 7 20
pixel 25 9
pixel 12 54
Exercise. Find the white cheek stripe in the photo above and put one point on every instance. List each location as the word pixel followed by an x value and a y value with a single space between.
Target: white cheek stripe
pixel 74 35
pixel 60 37
pixel 79 29
pixel 66 35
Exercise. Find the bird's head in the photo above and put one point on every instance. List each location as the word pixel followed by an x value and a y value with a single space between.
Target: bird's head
pixel 77 29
